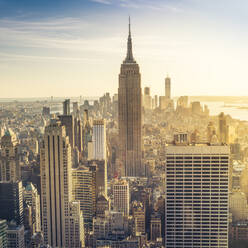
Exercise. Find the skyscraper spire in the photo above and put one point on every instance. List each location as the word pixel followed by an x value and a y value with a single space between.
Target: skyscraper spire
pixel 129 26
pixel 129 57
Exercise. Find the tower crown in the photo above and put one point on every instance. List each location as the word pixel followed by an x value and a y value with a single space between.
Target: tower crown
pixel 129 57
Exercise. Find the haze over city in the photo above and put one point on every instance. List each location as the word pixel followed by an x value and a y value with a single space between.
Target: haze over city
pixel 72 48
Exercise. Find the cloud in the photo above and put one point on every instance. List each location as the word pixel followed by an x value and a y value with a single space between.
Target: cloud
pixel 54 39
pixel 157 5
pixel 21 57
pixel 28 38
pixel 47 24
pixel 102 1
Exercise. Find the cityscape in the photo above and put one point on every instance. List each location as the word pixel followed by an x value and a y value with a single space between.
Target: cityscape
pixel 128 168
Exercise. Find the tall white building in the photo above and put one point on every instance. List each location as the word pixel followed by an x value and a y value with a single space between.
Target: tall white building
pixel 59 215
pixel 121 196
pixel 99 140
pixel 196 206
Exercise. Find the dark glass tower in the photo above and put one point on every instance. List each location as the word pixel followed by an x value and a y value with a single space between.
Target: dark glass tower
pixel 11 202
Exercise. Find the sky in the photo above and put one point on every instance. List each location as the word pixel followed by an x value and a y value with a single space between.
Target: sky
pixel 67 48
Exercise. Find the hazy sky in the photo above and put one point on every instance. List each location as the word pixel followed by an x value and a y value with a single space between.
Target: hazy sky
pixel 75 47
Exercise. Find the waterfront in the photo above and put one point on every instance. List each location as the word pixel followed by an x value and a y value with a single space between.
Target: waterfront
pixel 236 111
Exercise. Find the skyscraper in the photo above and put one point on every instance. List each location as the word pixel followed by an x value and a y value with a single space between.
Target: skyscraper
pixel 121 196
pixel 83 191
pixel 15 236
pixel 99 169
pixel 68 122
pixel 147 99
pixel 66 107
pixel 223 129
pixel 11 201
pixel 32 198
pixel 196 205
pixel 59 213
pixel 87 134
pixel 130 119
pixel 9 158
pixel 167 87
pixel 99 139
pixel 78 133
pixel 138 213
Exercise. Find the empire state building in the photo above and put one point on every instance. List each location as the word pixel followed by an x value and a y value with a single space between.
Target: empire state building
pixel 129 114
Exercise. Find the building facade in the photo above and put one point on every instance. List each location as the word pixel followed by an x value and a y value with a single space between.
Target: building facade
pixel 83 191
pixel 15 236
pixel 32 198
pixel 66 107
pixel 99 140
pixel 121 196
pixel 9 158
pixel 196 205
pixel 11 202
pixel 3 233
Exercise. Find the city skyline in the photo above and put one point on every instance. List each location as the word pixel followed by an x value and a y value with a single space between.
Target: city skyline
pixel 58 46
pixel 123 123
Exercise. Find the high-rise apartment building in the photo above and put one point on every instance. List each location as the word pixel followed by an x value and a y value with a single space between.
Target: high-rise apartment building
pixel 66 107
pixel 83 191
pixel 15 236
pixel 74 126
pixel 211 132
pixel 9 158
pixel 32 198
pixel 68 122
pixel 112 228
pixel 99 140
pixel 76 222
pixel 139 215
pixel 121 196
pixel 99 169
pixel 78 133
pixel 168 88
pixel 155 226
pixel 11 202
pixel 3 233
pixel 103 204
pixel 147 99
pixel 196 205
pixel 130 117
pixel 238 206
pixel 56 190
pixel 87 135
pixel 223 129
